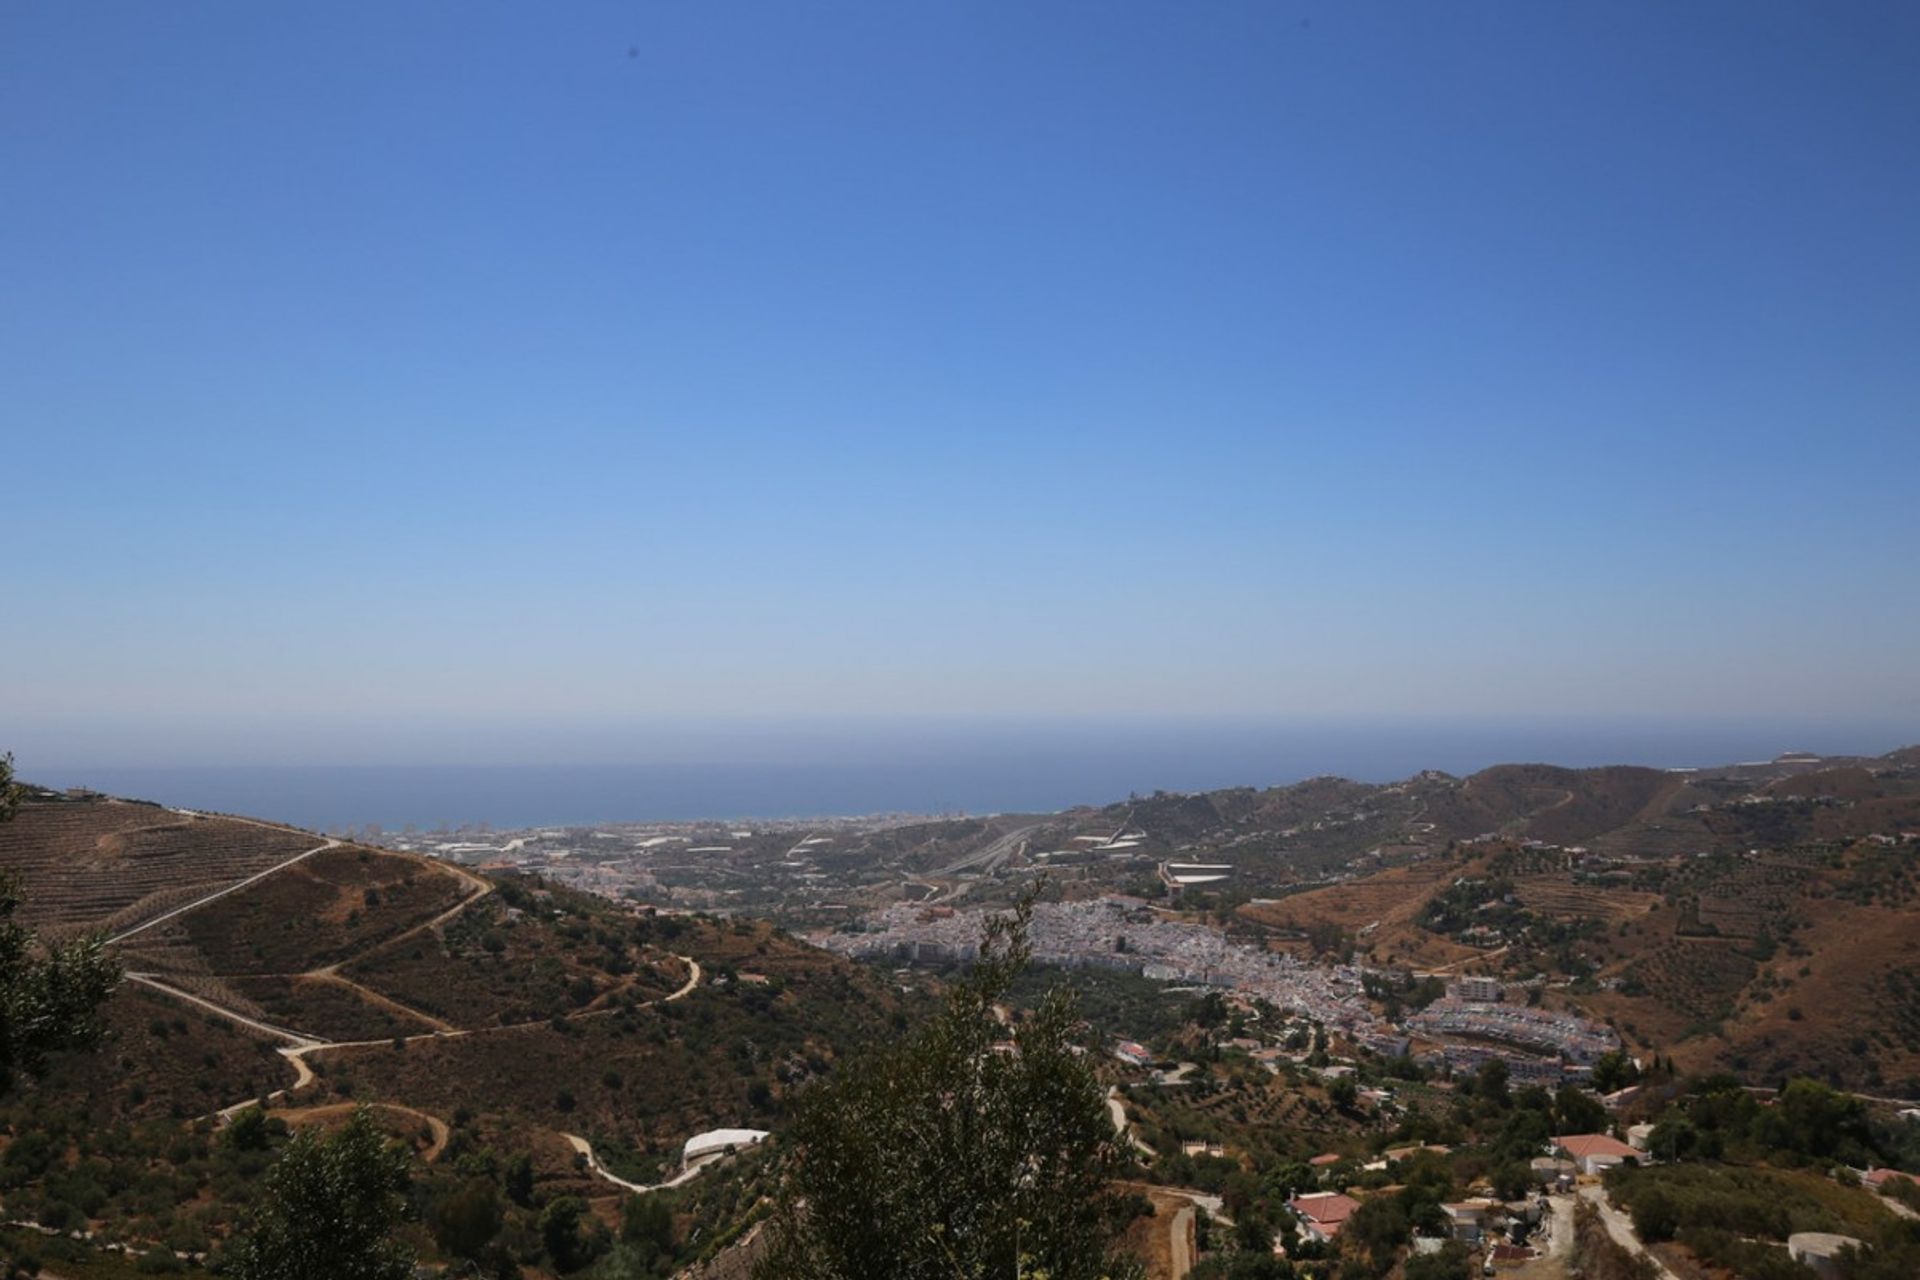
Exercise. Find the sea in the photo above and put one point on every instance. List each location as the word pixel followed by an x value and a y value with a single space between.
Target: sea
pixel 932 768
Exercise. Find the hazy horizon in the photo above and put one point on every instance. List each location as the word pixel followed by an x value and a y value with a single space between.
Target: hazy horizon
pixel 447 370
pixel 843 768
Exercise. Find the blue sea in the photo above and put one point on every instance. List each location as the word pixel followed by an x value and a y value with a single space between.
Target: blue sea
pixel 934 767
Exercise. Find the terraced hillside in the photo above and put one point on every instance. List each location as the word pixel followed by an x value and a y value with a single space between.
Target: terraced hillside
pixel 338 903
pixel 98 863
pixel 495 965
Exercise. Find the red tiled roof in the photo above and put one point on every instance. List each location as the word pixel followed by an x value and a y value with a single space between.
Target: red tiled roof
pixel 1328 1209
pixel 1331 1157
pixel 1881 1177
pixel 1582 1145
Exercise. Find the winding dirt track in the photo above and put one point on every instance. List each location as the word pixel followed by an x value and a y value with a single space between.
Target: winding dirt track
pixel 585 1148
pixel 217 894
pixel 296 1038
pixel 381 999
pixel 297 1116
pixel 1122 1127
pixel 299 1043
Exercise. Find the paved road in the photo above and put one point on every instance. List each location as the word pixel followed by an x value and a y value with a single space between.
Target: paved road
pixel 989 855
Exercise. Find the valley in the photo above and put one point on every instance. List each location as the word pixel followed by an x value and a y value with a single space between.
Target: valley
pixel 1281 988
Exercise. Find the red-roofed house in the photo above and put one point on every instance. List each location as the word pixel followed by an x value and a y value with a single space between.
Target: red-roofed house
pixel 1322 1216
pixel 1879 1178
pixel 1593 1152
pixel 1322 1161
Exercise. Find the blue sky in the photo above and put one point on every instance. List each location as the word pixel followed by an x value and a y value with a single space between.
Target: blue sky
pixel 382 367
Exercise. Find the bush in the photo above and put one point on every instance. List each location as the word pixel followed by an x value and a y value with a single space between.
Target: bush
pixel 466 1221
pixel 159 1262
pixel 1451 1263
pixel 1655 1216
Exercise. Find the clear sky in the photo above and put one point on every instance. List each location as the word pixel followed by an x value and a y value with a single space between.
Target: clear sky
pixel 429 364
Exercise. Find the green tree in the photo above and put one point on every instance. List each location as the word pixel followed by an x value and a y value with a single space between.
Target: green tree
pixel 560 1235
pixel 645 1246
pixel 1253 1233
pixel 467 1219
pixel 1491 1082
pixel 941 1158
pixel 647 1224
pixel 518 1179
pixel 329 1208
pixel 1511 1180
pixel 1577 1111
pixel 1813 1120
pixel 50 996
pixel 1452 1262
pixel 1379 1227
pixel 1655 1216
pixel 1613 1071
pixel 250 1130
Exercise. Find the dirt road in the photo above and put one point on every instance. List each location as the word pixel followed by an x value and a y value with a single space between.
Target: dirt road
pixel 279 1033
pixel 1621 1229
pixel 298 1043
pixel 218 894
pixel 1181 1242
pixel 297 1116
pixel 1123 1127
pixel 581 1145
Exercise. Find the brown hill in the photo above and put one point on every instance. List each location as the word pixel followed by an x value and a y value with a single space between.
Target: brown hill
pixel 1545 802
pixel 97 863
pixel 338 903
pixel 1799 960
pixel 473 1014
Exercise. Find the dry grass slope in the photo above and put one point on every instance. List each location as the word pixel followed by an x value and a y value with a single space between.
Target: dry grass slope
pixel 103 864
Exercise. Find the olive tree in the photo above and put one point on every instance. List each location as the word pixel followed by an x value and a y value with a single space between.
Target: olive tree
pixel 956 1155
pixel 328 1211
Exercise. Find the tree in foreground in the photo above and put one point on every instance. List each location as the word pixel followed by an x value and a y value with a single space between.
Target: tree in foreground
pixel 329 1209
pixel 50 997
pixel 947 1158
